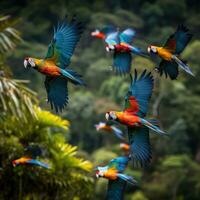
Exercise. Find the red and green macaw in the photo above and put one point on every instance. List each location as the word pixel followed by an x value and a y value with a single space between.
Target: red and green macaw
pixel 31 152
pixel 110 129
pixel 133 117
pixel 117 179
pixel 54 65
pixel 170 53
pixel 120 44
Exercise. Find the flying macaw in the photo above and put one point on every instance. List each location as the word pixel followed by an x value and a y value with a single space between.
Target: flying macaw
pixel 120 44
pixel 54 65
pixel 31 152
pixel 117 180
pixel 136 106
pixel 170 53
pixel 29 161
pixel 109 128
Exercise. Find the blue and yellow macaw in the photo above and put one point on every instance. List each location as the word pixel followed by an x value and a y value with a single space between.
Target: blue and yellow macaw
pixel 108 127
pixel 117 180
pixel 31 152
pixel 171 51
pixel 120 44
pixel 54 65
pixel 136 106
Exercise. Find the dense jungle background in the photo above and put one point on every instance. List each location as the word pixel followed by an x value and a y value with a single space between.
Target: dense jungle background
pixel 71 145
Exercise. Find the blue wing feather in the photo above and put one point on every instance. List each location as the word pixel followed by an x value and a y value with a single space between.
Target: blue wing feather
pixel 112 38
pixel 141 88
pixel 168 68
pixel 127 36
pixel 140 145
pixel 65 38
pixel 122 62
pixel 120 163
pixel 116 189
pixel 57 92
pixel 181 37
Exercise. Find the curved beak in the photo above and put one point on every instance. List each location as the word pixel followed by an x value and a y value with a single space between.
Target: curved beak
pixel 149 50
pixel 25 62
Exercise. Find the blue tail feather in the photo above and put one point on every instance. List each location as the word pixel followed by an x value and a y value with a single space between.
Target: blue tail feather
pixel 73 76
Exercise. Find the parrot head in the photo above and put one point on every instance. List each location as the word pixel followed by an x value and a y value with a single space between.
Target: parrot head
pixel 29 62
pixel 98 34
pixel 15 163
pixel 152 49
pixel 100 171
pixel 111 115
pixel 110 47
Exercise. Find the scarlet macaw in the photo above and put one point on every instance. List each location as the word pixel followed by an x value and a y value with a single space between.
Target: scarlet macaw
pixel 109 128
pixel 120 44
pixel 54 65
pixel 31 152
pixel 29 161
pixel 171 51
pixel 117 180
pixel 136 106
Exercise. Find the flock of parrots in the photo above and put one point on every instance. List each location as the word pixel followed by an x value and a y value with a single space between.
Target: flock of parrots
pixel 57 75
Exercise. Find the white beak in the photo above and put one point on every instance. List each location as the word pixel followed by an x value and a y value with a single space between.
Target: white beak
pixel 107 49
pixel 149 49
pixel 25 63
pixel 97 175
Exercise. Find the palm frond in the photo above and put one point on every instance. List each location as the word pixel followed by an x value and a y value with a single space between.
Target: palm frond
pixel 9 36
pixel 15 98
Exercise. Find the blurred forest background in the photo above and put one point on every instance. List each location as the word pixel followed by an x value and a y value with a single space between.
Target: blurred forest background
pixel 175 170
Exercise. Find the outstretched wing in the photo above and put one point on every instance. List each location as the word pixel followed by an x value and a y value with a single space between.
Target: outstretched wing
pixel 119 163
pixel 139 94
pixel 140 146
pixel 65 38
pixel 57 92
pixel 116 189
pixel 122 62
pixel 168 68
pixel 112 38
pixel 127 36
pixel 179 40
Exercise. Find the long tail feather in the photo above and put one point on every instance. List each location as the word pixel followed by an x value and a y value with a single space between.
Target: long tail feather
pixel 150 125
pixel 183 66
pixel 127 178
pixel 73 76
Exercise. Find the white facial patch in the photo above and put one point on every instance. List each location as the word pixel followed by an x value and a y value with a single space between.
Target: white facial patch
pixel 113 116
pixel 153 49
pixel 31 62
